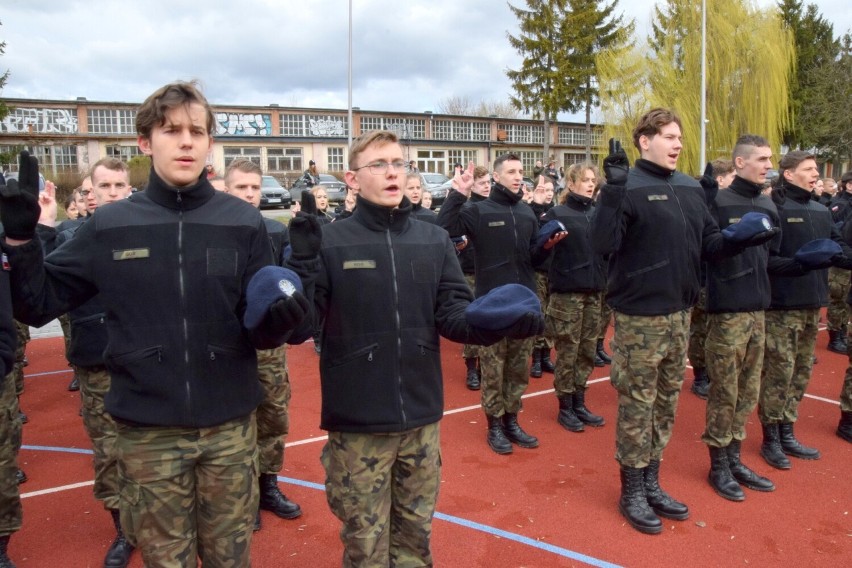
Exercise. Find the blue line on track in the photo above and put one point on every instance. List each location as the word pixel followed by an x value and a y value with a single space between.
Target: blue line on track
pixel 559 551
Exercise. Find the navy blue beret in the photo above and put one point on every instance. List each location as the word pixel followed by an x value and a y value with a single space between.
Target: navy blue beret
pixel 268 285
pixel 751 225
pixel 547 231
pixel 502 306
pixel 817 253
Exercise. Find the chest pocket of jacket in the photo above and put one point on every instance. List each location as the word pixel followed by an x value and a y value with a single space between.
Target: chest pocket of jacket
pixel 422 271
pixel 221 262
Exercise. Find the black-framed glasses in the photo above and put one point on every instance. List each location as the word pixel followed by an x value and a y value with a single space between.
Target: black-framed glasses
pixel 380 167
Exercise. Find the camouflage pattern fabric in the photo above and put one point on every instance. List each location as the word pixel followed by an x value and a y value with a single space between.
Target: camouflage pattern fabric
pixel 383 488
pixel 11 513
pixel 787 363
pixel 698 331
pixel 20 355
pixel 572 320
pixel 65 324
pixel 470 351
pixel 735 346
pixel 189 493
pixel 838 288
pixel 100 427
pixel 504 372
pixel 273 420
pixel 606 317
pixel 541 289
pixel 648 361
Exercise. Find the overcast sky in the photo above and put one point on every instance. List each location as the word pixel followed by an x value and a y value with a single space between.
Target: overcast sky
pixel 408 56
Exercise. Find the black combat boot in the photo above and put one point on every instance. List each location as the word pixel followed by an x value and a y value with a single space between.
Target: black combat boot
pixel 743 474
pixel 771 448
pixel 515 434
pixel 701 382
pixel 720 477
pixel 584 414
pixel 5 562
pixel 271 498
pixel 598 361
pixel 791 446
pixel 118 554
pixel 566 417
pixel 844 428
pixel 600 353
pixel 257 523
pixel 473 378
pixel 633 504
pixel 21 477
pixel 535 369
pixel 546 364
pixel 74 385
pixel 837 341
pixel 497 439
pixel 660 501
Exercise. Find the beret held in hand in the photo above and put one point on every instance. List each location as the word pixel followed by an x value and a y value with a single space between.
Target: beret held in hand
pixel 547 231
pixel 752 224
pixel 269 285
pixel 502 307
pixel 818 253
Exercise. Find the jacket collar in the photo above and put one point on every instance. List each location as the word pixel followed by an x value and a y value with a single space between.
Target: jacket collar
pixel 503 195
pixel 378 218
pixel 650 167
pixel 745 188
pixel 796 193
pixel 181 198
pixel 580 202
pixel 476 198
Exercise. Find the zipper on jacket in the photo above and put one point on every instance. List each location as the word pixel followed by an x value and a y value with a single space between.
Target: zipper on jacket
pixel 183 305
pixel 515 231
pixel 396 321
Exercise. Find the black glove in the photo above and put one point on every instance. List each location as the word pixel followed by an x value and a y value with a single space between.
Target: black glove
pixel 19 208
pixel 309 203
pixel 529 325
pixel 288 313
pixel 709 183
pixel 305 235
pixel 616 164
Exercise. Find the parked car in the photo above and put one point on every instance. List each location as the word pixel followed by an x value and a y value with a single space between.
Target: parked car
pixel 438 185
pixel 335 188
pixel 272 194
pixel 14 175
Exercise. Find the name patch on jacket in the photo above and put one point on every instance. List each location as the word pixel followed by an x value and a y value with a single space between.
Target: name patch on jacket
pixel 359 264
pixel 733 220
pixel 658 197
pixel 496 223
pixel 795 220
pixel 130 254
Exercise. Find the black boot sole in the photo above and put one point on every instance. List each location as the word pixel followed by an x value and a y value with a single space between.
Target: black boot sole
pixel 776 465
pixel 640 528
pixel 844 435
pixel 672 516
pixel 753 487
pixel 730 497
pixel 801 456
pixel 501 451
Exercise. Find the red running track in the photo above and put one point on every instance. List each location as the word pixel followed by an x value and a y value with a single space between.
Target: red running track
pixel 551 506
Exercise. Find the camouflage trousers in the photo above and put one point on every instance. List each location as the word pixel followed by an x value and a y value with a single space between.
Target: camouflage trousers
pixel 838 288
pixel 735 345
pixel 504 372
pixel 65 324
pixel 383 488
pixel 846 390
pixel 698 331
pixel 542 291
pixel 94 385
pixel 470 351
pixel 189 493
pixel 23 332
pixel 273 420
pixel 648 360
pixel 606 317
pixel 572 321
pixel 787 363
pixel 11 513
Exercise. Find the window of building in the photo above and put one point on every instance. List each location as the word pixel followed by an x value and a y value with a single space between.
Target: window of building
pixel 405 128
pixel 284 159
pixel 462 157
pixel 574 136
pixel 41 120
pixel 528 159
pixel 460 130
pixel 123 153
pixel 56 158
pixel 523 133
pixel 304 125
pixel 234 152
pixel 335 159
pixel 433 161
pixel 110 121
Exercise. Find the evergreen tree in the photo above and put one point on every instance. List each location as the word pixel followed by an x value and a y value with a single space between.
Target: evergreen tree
pixel 4 110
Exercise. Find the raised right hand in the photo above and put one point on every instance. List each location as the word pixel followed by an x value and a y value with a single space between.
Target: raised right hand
pixel 19 208
pixel 616 165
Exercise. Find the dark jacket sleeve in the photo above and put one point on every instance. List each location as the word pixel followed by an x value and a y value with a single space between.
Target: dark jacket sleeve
pixel 8 338
pixel 608 224
pixel 449 217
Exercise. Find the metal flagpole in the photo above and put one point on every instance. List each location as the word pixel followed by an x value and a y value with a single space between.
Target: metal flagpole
pixel 350 73
pixel 703 86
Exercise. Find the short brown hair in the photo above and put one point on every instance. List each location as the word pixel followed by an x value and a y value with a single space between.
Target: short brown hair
pixel 109 163
pixel 153 111
pixel 722 167
pixel 367 139
pixel 652 122
pixel 791 160
pixel 243 165
pixel 745 145
pixel 479 171
pixel 498 163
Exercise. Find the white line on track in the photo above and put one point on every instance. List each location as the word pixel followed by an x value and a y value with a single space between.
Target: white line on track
pixel 57 489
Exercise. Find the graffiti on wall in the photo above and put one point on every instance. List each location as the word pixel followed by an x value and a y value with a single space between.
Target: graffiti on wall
pixel 327 127
pixel 41 120
pixel 238 124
